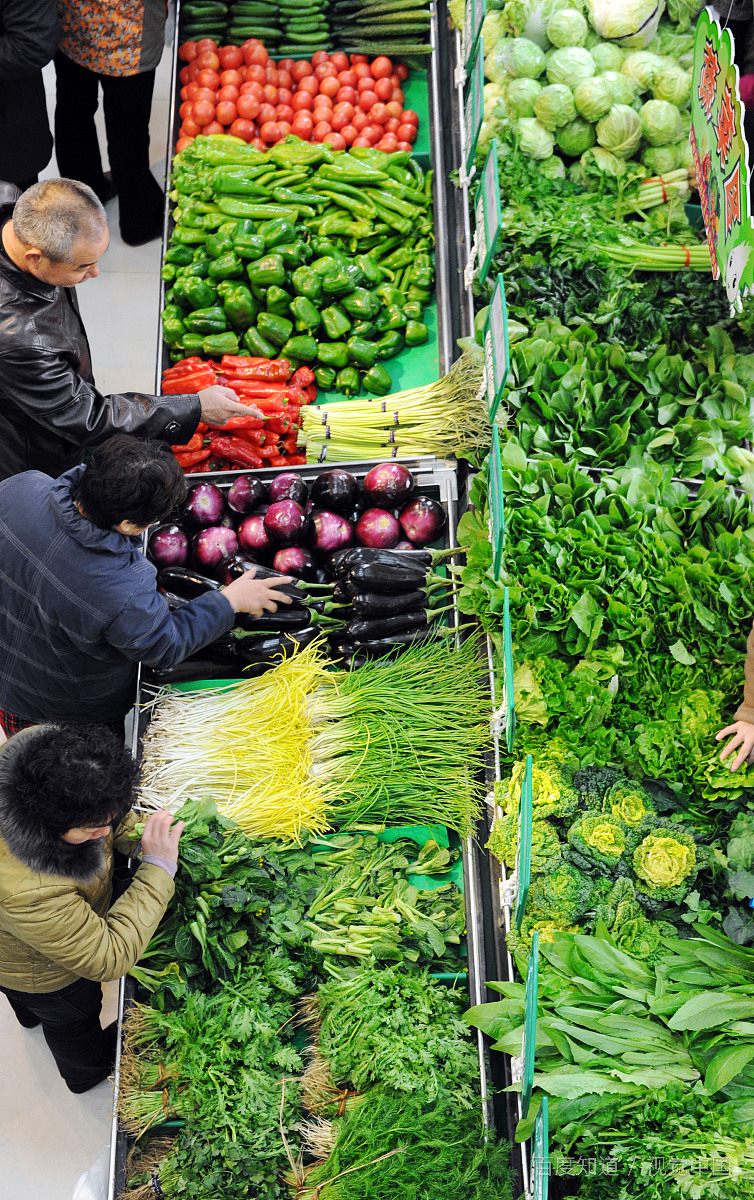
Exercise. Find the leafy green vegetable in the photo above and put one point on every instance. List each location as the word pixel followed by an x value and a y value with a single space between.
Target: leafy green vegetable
pixel 666 862
pixel 563 895
pixel 598 842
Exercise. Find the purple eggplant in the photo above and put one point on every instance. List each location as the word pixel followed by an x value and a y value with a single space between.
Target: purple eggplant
pixel 285 523
pixel 388 485
pixel 204 506
pixel 168 546
pixel 329 532
pixel 423 520
pixel 245 494
pixel 288 486
pixel 377 528
pixel 252 536
pixel 335 491
pixel 296 561
pixel 211 546
pixel 234 566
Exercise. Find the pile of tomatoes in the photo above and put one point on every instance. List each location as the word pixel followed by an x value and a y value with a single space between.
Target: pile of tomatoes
pixel 335 98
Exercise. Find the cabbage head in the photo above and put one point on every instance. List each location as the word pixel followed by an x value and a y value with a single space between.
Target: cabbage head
pixel 607 57
pixel 520 58
pixel 620 131
pixel 528 18
pixel 570 65
pixel 593 98
pixel 493 69
pixel 599 161
pixel 554 106
pixel 493 30
pixel 643 67
pixel 495 105
pixel 567 28
pixel 684 153
pixel 633 23
pixel 673 84
pixel 660 160
pixel 535 140
pixel 684 12
pixel 552 167
pixel 661 121
pixel 622 89
pixel 520 96
pixel 576 137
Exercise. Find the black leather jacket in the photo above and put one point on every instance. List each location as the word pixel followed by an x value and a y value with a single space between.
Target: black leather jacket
pixel 49 407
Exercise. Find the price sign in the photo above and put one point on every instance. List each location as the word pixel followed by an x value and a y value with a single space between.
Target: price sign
pixel 473 107
pixel 496 504
pixel 488 213
pixel 523 859
pixel 530 1024
pixel 510 702
pixel 472 27
pixel 540 1156
pixel 497 359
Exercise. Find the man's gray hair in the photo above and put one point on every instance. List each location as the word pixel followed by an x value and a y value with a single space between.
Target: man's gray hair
pixel 55 214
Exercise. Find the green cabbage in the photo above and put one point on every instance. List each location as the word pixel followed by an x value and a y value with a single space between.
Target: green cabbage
pixel 554 106
pixel 520 57
pixel 599 161
pixel 520 96
pixel 684 12
pixel 673 84
pixel 623 90
pixel 685 155
pixel 493 30
pixel 567 28
pixel 576 137
pixel 593 98
pixel 552 167
pixel 632 22
pixel 528 18
pixel 620 131
pixel 535 140
pixel 643 67
pixel 661 121
pixel 607 57
pixel 570 65
pixel 495 103
pixel 660 159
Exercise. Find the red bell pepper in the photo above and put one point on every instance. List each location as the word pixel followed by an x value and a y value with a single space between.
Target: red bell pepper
pixel 280 424
pixel 271 450
pixel 255 368
pixel 290 444
pixel 302 377
pixel 256 437
pixel 311 393
pixel 202 427
pixel 237 451
pixel 238 423
pixel 189 381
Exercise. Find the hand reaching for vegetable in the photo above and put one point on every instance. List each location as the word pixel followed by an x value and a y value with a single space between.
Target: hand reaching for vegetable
pixel 743 741
pixel 159 838
pixel 219 404
pixel 256 596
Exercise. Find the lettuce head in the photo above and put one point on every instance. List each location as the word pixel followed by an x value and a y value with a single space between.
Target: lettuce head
pixel 661 122
pixel 576 137
pixel 567 27
pixel 593 98
pixel 534 139
pixel 620 131
pixel 607 57
pixel 520 58
pixel 554 106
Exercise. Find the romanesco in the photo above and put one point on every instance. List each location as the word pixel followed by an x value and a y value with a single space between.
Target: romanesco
pixel 562 895
pixel 599 843
pixel 629 802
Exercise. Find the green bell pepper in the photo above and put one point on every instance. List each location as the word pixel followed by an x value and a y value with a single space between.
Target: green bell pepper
pixel 194 292
pixel 257 345
pixel 228 266
pixel 369 269
pixel 306 282
pixel 365 329
pixel 277 301
pixel 188 236
pixel 198 269
pixel 240 306
pixel 206 321
pixel 336 282
pixel 274 328
pixel 173 327
pixel 416 333
pixel 305 315
pixel 324 377
pixel 412 310
pixel 333 354
pixel 377 380
pixel 325 264
pixel 347 381
pixel 361 303
pixel 168 272
pixel 249 245
pixel 322 246
pixel 335 322
pixel 391 317
pixel 277 231
pixel 219 244
pixel 294 255
pixel 180 255
pixel 193 344
pixel 266 271
pixel 361 353
pixel 220 343
pixel 390 344
pixel 418 293
pixel 302 347
pixel 389 294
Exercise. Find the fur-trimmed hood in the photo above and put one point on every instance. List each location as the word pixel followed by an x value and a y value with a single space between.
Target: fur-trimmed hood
pixel 26 836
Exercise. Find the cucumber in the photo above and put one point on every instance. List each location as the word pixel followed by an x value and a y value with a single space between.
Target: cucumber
pixel 263 32
pixel 255 10
pixel 302 26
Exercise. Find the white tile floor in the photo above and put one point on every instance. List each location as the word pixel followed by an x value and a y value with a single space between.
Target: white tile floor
pixel 48 1136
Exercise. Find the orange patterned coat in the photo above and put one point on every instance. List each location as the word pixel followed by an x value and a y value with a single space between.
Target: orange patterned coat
pixel 113 37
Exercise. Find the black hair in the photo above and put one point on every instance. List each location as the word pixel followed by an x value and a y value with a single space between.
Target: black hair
pixel 71 776
pixel 130 479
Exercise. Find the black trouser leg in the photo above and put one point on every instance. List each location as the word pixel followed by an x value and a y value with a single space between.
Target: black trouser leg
pixel 76 144
pixel 128 105
pixel 25 1016
pixel 84 1053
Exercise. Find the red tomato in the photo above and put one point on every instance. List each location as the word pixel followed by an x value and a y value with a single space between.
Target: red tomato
pixel 228 93
pixel 270 132
pixel 243 129
pixel 270 93
pixel 193 71
pixel 230 57
pixel 272 74
pixel 285 129
pixel 359 121
pixel 395 80
pixel 258 144
pixel 402 71
pixel 184 92
pixel 373 132
pixel 336 140
pixel 208 61
pixel 392 126
pixel 323 102
pixel 378 114
pixel 204 45
pixel 357 58
pixel 255 56
pixel 182 143
pixel 284 113
pixel 213 127
pixel 325 70
pixel 209 79
pixel 302 126
pixel 349 135
pixel 253 89
pixel 230 78
pixel 366 101
pixel 365 84
pixel 242 70
pixel 187 52
pixel 405 146
pixel 285 95
pixel 185 109
pixel 202 111
pixel 329 87
pixel 384 89
pixel 347 79
pixel 302 101
pixel 285 64
pixel 226 112
pixel 204 94
pixel 382 68
pixel 361 141
pixel 184 75
pixel 191 90
pixel 388 142
pixel 301 69
pixel 266 113
pixel 361 70
pixel 347 109
pixel 339 61
pixel 248 107
pixel 406 133
pixel 347 95
pixel 398 95
pixel 394 109
pixel 309 84
pixel 189 128
pixel 256 74
pixel 339 121
pixel 410 117
pixel 285 79
pixel 320 131
pixel 321 56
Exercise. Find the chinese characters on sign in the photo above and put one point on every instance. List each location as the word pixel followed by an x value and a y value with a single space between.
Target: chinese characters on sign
pixel 722 158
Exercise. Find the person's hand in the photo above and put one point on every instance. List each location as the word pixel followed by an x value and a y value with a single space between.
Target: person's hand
pixel 159 838
pixel 219 404
pixel 256 596
pixel 742 740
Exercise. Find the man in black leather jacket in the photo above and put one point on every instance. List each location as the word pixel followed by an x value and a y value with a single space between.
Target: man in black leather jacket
pixel 50 409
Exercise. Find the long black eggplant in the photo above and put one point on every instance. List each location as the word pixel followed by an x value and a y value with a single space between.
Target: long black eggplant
pixel 185 582
pixel 387 577
pixel 365 630
pixel 267 646
pixel 341 561
pixel 396 641
pixel 380 604
pixel 286 618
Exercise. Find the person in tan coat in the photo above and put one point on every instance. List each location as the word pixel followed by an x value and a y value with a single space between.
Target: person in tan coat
pixel 65 796
pixel 741 732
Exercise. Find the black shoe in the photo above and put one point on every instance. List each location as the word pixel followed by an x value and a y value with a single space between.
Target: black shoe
pixel 140 237
pixel 110 1036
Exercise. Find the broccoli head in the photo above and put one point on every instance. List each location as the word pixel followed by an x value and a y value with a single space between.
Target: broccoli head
pixel 562 895
pixel 519 942
pixel 629 802
pixel 599 843
pixel 593 783
pixel 553 792
pixel 666 862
